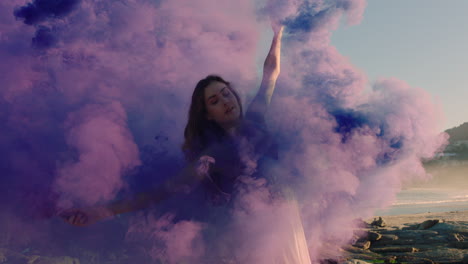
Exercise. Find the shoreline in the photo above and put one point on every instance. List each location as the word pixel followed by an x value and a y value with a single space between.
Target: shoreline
pixel 427 199
pixel 401 219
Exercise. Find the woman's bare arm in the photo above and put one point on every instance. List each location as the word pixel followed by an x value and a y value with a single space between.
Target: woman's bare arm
pixel 271 70
pixel 186 178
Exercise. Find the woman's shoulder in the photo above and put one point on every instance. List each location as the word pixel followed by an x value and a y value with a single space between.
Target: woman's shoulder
pixel 254 118
pixel 257 133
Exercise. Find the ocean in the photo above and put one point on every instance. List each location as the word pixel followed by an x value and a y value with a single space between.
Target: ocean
pixel 423 200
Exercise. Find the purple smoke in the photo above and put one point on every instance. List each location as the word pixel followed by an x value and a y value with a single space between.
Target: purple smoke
pixel 41 10
pixel 87 87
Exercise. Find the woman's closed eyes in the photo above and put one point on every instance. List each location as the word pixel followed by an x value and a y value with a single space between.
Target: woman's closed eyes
pixel 225 93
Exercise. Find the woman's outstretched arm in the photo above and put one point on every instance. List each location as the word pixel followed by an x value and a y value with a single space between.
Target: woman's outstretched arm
pixel 186 178
pixel 271 70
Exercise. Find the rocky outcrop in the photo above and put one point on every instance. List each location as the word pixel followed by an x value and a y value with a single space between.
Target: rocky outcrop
pixel 378 222
pixel 424 225
pixel 430 241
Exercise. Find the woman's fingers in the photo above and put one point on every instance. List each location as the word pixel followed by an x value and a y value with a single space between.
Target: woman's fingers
pixel 277 27
pixel 70 219
pixel 85 216
pixel 81 218
pixel 75 217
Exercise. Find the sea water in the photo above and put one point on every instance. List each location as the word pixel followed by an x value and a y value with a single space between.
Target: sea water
pixel 424 200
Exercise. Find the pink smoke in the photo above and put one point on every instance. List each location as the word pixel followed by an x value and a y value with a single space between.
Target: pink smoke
pixel 106 151
pixel 167 241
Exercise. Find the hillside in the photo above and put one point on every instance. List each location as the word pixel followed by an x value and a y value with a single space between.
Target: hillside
pixel 458 133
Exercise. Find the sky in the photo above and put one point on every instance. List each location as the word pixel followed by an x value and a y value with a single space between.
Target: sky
pixel 422 42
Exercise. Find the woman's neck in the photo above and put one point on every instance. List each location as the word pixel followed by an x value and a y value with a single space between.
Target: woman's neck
pixel 231 129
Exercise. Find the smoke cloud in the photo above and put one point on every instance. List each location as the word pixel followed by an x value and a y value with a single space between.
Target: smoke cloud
pixel 94 99
pixel 41 10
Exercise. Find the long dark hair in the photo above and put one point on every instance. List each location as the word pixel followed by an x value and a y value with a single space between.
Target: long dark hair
pixel 200 132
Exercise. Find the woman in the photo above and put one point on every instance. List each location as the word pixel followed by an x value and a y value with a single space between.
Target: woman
pixel 215 117
pixel 221 146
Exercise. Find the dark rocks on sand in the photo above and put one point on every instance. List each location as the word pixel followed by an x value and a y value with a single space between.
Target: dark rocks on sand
pixel 424 225
pixel 428 224
pixel 415 234
pixel 373 236
pixel 432 241
pixel 459 245
pixel 457 237
pixel 465 259
pixel 363 244
pixel 388 237
pixel 379 222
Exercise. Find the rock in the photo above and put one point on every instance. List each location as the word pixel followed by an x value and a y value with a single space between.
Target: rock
pixel 465 259
pixel 459 245
pixel 373 236
pixel 328 261
pixel 363 244
pixel 390 240
pixel 399 242
pixel 395 250
pixel 457 237
pixel 428 224
pixel 423 242
pixel 378 222
pixel 424 225
pixel 451 227
pixel 388 237
pixel 353 249
pixel 414 234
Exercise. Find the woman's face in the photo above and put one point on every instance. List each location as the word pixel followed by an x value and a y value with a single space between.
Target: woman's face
pixel 221 105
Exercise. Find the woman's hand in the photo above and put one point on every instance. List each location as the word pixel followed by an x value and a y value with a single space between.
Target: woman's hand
pixel 203 166
pixel 85 216
pixel 277 28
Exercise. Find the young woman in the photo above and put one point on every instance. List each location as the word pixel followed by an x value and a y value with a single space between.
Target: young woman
pixel 215 121
pixel 222 146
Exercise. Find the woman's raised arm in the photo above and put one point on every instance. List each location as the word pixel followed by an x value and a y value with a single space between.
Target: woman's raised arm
pixel 271 70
